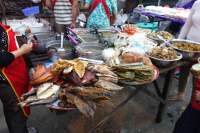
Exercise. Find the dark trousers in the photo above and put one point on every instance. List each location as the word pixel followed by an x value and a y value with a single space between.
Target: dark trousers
pixel 14 116
pixel 183 79
pixel 189 122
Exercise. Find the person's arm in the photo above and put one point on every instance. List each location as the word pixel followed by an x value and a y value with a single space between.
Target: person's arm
pixel 187 25
pixel 114 11
pixel 74 12
pixel 24 49
pixel 48 4
pixel 87 5
pixel 6 58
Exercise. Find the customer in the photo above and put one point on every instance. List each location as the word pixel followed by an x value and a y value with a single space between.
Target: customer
pixel 65 13
pixel 190 119
pixel 190 31
pixel 102 13
pixel 14 80
pixel 175 27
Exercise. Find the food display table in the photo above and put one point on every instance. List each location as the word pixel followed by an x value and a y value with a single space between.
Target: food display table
pixel 161 95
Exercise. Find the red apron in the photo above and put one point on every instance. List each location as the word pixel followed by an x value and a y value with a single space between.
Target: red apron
pixel 16 73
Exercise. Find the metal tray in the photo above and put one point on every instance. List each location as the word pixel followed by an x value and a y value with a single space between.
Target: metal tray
pixel 185 41
pixel 165 63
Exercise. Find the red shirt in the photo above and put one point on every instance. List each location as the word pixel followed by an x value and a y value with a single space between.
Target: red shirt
pixel 196 87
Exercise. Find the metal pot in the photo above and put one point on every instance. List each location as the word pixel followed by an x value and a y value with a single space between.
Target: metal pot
pixel 43 38
pixel 53 53
pixel 186 54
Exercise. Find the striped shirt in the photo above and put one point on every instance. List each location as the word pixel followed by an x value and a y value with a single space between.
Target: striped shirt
pixel 63 12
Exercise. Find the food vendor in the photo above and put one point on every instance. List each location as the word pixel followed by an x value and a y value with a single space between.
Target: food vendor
pixel 189 121
pixel 14 79
pixel 102 13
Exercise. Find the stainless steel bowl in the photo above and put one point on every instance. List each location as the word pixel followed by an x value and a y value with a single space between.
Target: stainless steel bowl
pixel 164 63
pixel 186 54
pixel 108 37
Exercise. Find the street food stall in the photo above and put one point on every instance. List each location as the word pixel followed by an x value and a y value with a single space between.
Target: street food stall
pixel 82 69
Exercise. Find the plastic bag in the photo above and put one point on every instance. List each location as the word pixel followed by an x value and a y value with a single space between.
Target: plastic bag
pixel 121 18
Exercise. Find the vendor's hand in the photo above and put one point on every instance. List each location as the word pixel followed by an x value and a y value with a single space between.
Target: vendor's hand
pixel 73 25
pixel 22 98
pixel 197 95
pixel 26 48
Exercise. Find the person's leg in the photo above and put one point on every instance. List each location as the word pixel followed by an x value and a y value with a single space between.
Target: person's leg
pixel 183 79
pixel 14 116
pixel 60 28
pixel 188 122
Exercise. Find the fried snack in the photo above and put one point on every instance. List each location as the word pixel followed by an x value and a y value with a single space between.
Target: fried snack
pixel 108 85
pixel 131 58
pixel 60 65
pixel 163 53
pixel 80 68
pixel 187 46
pixel 38 72
pixel 41 75
pixel 165 35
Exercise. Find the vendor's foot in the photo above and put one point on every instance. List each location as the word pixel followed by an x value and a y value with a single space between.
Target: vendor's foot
pixel 32 130
pixel 178 97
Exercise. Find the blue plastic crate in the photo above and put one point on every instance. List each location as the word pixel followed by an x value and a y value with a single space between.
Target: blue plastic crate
pixel 31 11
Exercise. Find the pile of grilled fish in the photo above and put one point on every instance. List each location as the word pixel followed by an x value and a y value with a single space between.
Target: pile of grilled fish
pixel 42 94
pixel 40 75
pixel 84 85
pixel 76 83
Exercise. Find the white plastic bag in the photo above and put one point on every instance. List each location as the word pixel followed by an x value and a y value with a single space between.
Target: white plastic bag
pixel 121 18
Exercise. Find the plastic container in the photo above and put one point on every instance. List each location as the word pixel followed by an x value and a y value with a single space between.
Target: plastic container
pixel 90 51
pixel 152 26
pixel 31 11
